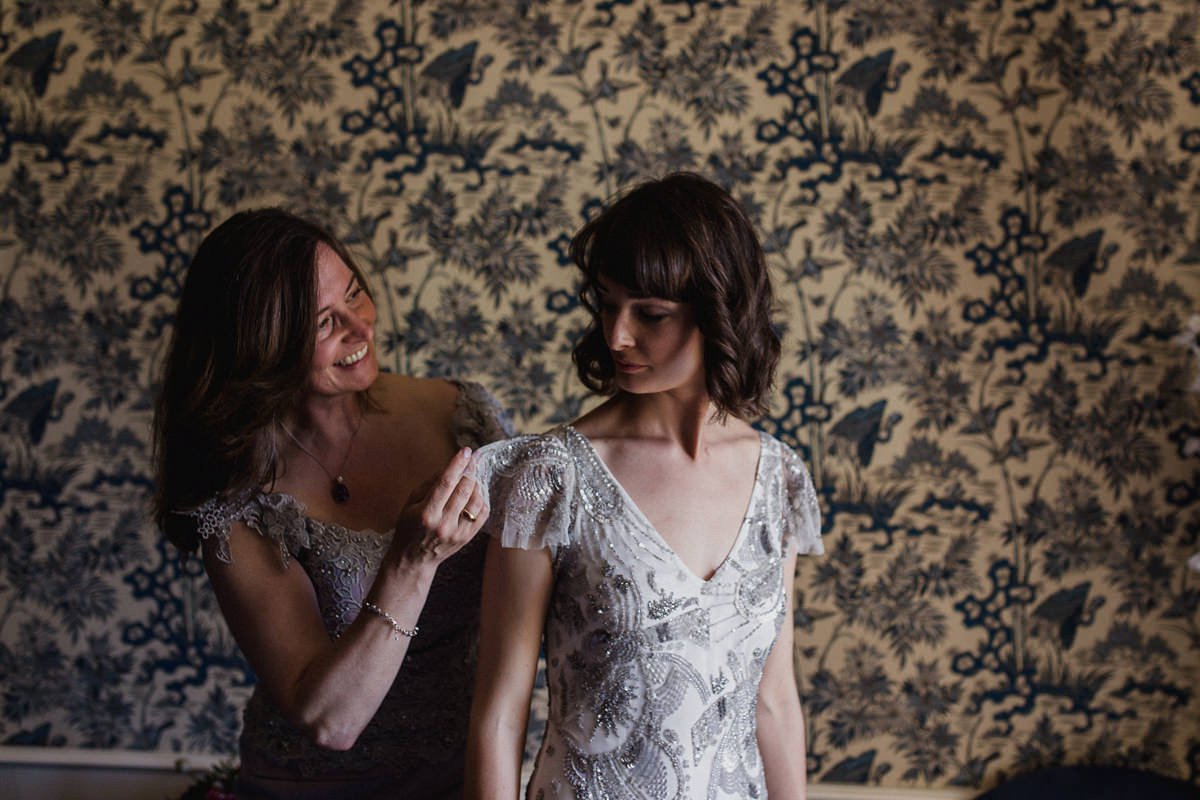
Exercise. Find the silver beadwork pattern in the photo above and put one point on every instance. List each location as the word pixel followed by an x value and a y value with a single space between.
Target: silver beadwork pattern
pixel 653 672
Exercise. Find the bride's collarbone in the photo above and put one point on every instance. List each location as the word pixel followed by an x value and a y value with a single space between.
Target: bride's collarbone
pixel 698 510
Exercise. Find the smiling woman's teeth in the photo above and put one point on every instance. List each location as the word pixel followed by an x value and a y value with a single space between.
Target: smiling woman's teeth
pixel 353 358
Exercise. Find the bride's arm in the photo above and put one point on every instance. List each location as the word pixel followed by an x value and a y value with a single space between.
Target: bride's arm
pixel 780 718
pixel 516 591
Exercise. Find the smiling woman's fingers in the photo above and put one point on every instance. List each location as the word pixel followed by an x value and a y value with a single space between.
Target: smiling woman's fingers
pixel 442 515
pixel 447 483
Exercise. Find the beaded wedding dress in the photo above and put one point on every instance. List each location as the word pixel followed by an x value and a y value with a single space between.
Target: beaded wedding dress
pixel 652 672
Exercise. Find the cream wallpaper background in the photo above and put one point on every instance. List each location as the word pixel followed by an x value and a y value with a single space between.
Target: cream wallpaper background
pixel 981 217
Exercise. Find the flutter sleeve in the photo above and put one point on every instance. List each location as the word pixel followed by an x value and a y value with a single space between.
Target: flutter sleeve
pixel 802 514
pixel 529 483
pixel 278 517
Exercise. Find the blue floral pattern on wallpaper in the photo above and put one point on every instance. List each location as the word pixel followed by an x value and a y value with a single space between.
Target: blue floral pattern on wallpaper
pixel 981 217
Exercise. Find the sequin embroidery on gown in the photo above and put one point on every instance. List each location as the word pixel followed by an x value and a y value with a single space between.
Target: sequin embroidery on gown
pixel 653 672
pixel 419 732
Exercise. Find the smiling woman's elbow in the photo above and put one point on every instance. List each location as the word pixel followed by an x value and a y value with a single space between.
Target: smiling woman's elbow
pixel 331 736
pixel 337 740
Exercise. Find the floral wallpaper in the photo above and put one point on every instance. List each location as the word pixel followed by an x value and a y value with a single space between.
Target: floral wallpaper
pixel 982 221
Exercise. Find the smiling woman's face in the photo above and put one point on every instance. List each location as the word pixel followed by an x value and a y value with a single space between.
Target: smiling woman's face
pixel 344 357
pixel 656 345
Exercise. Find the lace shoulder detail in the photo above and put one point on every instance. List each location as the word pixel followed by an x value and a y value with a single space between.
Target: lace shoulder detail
pixel 478 417
pixel 802 517
pixel 277 516
pixel 530 486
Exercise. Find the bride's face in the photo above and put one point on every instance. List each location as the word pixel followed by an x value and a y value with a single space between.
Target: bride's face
pixel 655 344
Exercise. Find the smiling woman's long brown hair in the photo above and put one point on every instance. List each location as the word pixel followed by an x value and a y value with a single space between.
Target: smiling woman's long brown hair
pixel 684 238
pixel 240 350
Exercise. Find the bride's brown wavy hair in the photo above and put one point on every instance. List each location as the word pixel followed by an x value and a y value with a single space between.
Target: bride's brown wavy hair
pixel 683 238
pixel 240 353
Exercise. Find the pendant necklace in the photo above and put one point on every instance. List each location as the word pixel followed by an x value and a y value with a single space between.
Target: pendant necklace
pixel 338 489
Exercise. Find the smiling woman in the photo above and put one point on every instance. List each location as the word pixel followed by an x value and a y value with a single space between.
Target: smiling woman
pixel 319 488
pixel 345 329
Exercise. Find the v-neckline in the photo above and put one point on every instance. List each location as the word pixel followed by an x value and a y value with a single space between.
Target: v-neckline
pixel 641 517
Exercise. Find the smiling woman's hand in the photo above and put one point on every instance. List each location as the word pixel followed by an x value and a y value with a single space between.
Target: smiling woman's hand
pixel 441 516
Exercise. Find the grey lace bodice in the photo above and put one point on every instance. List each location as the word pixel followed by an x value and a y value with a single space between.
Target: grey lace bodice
pixel 653 672
pixel 422 720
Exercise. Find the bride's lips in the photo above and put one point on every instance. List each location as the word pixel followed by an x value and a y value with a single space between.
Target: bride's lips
pixel 627 366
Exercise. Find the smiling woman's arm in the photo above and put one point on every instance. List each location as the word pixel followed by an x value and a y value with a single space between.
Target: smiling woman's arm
pixel 331 688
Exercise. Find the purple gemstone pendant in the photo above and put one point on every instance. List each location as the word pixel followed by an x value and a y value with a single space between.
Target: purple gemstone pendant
pixel 339 491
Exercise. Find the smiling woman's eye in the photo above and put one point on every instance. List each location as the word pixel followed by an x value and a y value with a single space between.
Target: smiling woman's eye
pixel 653 314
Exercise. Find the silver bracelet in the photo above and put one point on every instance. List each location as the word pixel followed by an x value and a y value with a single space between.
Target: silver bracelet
pixel 397 629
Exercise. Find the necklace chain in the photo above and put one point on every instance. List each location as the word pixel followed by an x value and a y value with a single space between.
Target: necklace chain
pixel 338 489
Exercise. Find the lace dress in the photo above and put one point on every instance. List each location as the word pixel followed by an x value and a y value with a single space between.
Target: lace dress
pixel 653 673
pixel 414 745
